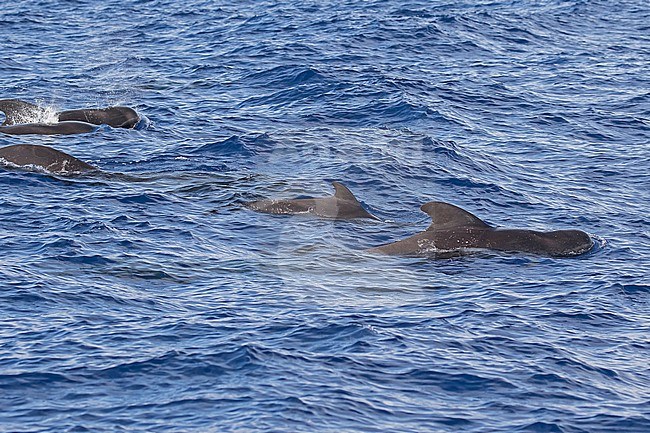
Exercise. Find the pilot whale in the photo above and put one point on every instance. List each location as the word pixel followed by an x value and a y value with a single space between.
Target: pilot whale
pixel 342 205
pixel 19 112
pixel 115 117
pixel 454 231
pixel 52 160
pixel 60 128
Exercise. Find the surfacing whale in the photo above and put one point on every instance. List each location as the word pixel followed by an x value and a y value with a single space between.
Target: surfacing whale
pixel 20 112
pixel 60 128
pixel 342 205
pixel 115 117
pixel 454 231
pixel 35 156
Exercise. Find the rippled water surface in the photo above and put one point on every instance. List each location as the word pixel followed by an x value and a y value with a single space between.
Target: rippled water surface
pixel 147 298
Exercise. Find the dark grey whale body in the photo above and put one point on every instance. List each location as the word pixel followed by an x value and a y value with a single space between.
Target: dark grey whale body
pixel 60 128
pixel 342 205
pixel 52 160
pixel 116 117
pixel 454 231
pixel 69 122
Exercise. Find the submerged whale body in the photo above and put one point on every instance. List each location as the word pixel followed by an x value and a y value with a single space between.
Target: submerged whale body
pixel 60 128
pixel 17 114
pixel 454 231
pixel 52 160
pixel 342 205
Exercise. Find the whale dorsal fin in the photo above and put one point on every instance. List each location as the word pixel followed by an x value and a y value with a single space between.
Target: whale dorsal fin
pixel 17 111
pixel 343 193
pixel 445 216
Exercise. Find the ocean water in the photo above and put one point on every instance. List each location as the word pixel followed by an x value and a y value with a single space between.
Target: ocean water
pixel 147 299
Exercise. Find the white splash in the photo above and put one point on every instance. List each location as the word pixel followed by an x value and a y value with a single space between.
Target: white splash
pixel 38 114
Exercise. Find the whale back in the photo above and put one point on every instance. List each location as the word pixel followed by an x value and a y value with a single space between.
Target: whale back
pixel 17 111
pixel 52 160
pixel 447 217
pixel 60 128
pixel 116 117
pixel 454 231
pixel 342 205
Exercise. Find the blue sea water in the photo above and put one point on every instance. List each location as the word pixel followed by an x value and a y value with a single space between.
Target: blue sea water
pixel 148 299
